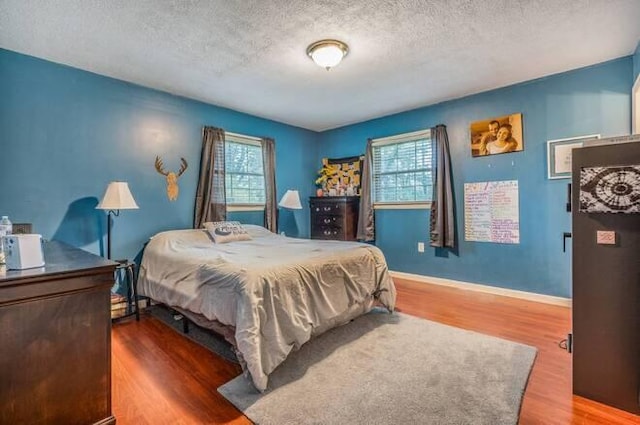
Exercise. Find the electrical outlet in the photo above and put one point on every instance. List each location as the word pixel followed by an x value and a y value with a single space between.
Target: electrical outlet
pixel 420 246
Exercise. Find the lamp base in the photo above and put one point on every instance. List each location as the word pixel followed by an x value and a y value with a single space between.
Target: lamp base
pixel 109 213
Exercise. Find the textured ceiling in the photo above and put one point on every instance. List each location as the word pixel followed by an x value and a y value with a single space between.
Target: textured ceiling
pixel 249 55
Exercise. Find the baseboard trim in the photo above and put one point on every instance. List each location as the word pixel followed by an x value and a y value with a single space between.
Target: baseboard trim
pixel 513 293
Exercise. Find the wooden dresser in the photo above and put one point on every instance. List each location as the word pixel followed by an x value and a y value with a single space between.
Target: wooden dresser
pixel 55 340
pixel 334 217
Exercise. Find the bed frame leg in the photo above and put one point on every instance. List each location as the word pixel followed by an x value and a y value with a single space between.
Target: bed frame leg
pixel 179 316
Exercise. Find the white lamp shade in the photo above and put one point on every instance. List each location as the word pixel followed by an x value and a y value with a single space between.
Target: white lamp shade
pixel 291 200
pixel 117 197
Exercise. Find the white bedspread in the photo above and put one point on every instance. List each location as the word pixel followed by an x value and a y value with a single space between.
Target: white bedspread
pixel 276 291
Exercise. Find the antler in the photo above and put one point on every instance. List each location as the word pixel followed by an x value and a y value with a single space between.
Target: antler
pixel 183 166
pixel 160 166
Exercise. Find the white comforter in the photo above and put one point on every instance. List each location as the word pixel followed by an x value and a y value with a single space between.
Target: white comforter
pixel 276 291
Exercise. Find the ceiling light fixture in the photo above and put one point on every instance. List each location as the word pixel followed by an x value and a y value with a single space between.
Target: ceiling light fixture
pixel 327 53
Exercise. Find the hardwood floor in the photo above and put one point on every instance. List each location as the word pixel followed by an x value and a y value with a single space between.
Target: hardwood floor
pixel 160 377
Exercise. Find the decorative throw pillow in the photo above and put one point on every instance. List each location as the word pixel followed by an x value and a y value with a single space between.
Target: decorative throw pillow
pixel 226 231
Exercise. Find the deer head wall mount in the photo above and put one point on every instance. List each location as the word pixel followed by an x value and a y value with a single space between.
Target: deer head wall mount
pixel 172 178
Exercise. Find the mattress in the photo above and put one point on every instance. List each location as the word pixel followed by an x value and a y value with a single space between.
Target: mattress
pixel 276 292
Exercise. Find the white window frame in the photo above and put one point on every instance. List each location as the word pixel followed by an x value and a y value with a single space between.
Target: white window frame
pixel 391 140
pixel 246 140
pixel 635 106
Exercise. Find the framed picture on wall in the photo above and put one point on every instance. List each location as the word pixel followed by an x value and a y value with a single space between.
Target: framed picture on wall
pixel 497 135
pixel 559 155
pixel 342 175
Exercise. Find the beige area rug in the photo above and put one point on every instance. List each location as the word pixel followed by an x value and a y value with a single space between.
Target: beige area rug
pixel 392 369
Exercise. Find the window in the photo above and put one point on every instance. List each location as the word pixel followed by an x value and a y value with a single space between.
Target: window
pixel 244 170
pixel 402 171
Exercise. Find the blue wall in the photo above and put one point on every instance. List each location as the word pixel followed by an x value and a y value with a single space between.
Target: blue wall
pixel 586 101
pixel 66 133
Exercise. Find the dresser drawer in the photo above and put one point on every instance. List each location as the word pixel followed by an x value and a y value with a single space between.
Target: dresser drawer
pixel 325 220
pixel 328 209
pixel 327 232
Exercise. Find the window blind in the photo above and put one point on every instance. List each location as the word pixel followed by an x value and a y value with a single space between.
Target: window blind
pixel 244 173
pixel 402 169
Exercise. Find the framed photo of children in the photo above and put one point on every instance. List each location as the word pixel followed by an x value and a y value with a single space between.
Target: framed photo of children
pixel 497 135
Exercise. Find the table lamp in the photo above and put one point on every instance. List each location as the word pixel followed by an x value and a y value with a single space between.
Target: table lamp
pixel 117 197
pixel 291 200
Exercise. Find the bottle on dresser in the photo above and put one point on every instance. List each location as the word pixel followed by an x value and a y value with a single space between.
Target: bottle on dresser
pixel 6 229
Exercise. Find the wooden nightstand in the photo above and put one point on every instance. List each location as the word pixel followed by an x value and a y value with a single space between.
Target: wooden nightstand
pixel 123 306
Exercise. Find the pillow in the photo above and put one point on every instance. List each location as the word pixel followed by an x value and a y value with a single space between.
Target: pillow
pixel 256 231
pixel 226 231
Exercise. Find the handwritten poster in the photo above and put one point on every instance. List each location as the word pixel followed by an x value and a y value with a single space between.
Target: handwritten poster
pixel 491 212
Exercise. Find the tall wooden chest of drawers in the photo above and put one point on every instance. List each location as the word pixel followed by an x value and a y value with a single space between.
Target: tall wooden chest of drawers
pixel 334 217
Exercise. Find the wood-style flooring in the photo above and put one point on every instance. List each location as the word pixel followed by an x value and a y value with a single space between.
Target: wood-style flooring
pixel 160 377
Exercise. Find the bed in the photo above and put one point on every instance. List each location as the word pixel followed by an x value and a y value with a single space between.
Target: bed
pixel 271 293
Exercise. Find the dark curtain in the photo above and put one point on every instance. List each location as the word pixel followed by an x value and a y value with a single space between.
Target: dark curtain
pixel 366 225
pixel 442 223
pixel 211 201
pixel 269 164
